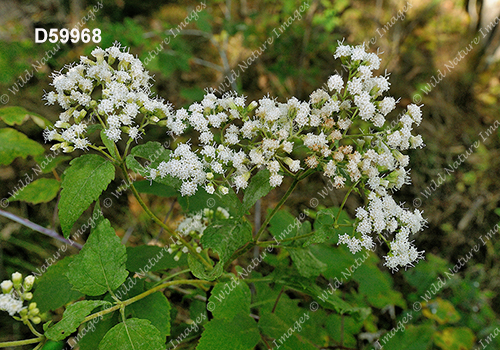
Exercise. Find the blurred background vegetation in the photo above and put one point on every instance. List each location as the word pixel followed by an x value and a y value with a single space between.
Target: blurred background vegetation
pixel 415 49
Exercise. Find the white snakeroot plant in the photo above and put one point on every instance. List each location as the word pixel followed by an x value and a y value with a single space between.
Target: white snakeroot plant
pixel 340 133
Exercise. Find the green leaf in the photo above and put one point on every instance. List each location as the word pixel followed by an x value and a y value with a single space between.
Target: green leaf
pixel 230 298
pixel 153 187
pixel 199 270
pixel 155 308
pixel 454 338
pixel 376 285
pixel 305 261
pixel 259 187
pixel 133 334
pixel 48 163
pixel 284 225
pixel 151 258
pixel 100 265
pixel 97 329
pixel 239 333
pixel 18 115
pixel 83 183
pixel 13 115
pixel 110 145
pixel 72 318
pixel 53 289
pixel 53 345
pixel 14 144
pixel 413 338
pixel 284 334
pixel 39 191
pixel 225 236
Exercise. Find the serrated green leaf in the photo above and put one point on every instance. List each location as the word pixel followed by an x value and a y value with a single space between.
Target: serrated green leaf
pixel 97 331
pixel 100 265
pixel 72 317
pixel 199 270
pixel 156 309
pixel 225 236
pixel 83 183
pixel 240 333
pixel 53 289
pixel 230 298
pixel 305 261
pixel 14 144
pixel 47 164
pixel 155 258
pixel 133 334
pixel 153 187
pixel 39 191
pixel 257 188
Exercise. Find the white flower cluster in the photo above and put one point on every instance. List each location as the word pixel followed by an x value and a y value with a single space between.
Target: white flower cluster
pixel 14 293
pixel 235 139
pixel 124 94
pixel 383 216
pixel 193 226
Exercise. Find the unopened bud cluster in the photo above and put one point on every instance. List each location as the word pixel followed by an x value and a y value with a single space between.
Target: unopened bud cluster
pixel 14 293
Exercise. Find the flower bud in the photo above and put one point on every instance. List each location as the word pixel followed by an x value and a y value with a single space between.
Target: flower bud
pixel 6 286
pixel 210 176
pixel 17 279
pixel 23 312
pixel 32 306
pixel 28 296
pixel 28 283
pixel 252 106
pixel 36 320
pixel 33 312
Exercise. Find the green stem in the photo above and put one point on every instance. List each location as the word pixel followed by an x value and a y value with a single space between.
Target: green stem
pixel 172 276
pixel 32 329
pixel 277 207
pixel 141 296
pixel 8 344
pixel 160 222
pixel 343 202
